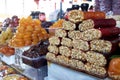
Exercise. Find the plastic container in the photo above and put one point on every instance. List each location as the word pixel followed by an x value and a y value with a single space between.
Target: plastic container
pixel 34 62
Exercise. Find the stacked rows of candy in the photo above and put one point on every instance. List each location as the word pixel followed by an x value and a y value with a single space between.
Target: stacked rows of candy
pixel 80 45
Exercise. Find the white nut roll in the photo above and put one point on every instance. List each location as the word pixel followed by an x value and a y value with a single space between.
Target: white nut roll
pixel 78 54
pixel 81 44
pixel 74 34
pixel 73 63
pixel 96 58
pixel 91 34
pixel 95 70
pixel 54 40
pixel 65 51
pixel 53 49
pixel 103 46
pixel 60 33
pixel 80 65
pixel 86 24
pixel 66 42
pixel 67 25
pixel 62 60
pixel 75 16
pixel 51 57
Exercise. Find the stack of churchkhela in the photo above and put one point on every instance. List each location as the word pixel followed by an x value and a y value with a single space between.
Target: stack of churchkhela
pixel 84 43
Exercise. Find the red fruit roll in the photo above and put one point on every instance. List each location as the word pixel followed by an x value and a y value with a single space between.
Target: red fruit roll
pixel 110 32
pixel 96 23
pixel 92 34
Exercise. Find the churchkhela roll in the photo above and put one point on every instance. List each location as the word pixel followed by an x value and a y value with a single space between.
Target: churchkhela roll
pixel 67 25
pixel 53 49
pixel 105 46
pixel 94 15
pixel 96 58
pixel 96 23
pixel 60 33
pixel 78 54
pixel 74 34
pixel 50 56
pixel 54 40
pixel 66 42
pixel 65 51
pixel 95 70
pixel 80 44
pixel 75 16
pixel 92 34
pixel 62 60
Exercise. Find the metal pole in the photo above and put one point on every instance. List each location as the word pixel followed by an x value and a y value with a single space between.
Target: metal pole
pixel 61 9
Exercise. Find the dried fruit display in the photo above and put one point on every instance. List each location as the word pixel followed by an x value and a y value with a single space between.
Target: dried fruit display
pixel 5 36
pixel 29 32
pixel 6 50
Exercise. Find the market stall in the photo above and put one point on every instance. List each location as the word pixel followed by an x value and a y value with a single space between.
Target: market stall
pixel 85 45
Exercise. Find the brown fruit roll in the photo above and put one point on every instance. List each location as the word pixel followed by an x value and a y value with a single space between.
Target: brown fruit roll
pixel 80 44
pixel 65 51
pixel 96 23
pixel 60 33
pixel 54 40
pixel 94 15
pixel 67 25
pixel 66 42
pixel 105 46
pixel 74 34
pixel 92 34
pixel 96 58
